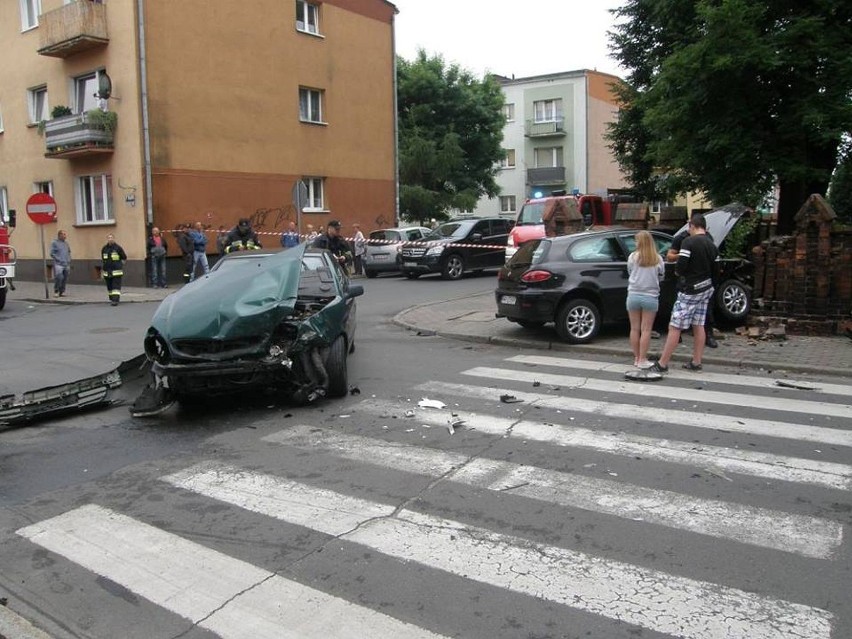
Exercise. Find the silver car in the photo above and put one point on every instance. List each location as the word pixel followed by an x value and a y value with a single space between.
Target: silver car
pixel 384 248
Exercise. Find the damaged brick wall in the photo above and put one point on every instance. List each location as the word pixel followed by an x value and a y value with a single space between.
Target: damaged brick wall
pixel 807 277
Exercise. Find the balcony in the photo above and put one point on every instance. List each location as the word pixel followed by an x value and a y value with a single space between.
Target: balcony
pixel 72 28
pixel 80 135
pixel 545 129
pixel 546 175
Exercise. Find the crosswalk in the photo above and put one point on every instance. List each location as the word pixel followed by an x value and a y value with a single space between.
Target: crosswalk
pixel 468 448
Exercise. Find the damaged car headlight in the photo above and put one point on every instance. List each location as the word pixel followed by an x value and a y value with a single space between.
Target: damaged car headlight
pixel 156 348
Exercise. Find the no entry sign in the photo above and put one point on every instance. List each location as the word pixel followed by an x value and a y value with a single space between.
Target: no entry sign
pixel 41 207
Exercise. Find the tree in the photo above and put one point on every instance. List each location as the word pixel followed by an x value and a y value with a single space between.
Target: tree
pixel 840 191
pixel 450 131
pixel 731 97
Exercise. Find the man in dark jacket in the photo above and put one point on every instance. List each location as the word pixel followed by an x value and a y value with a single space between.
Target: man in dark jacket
pixel 113 257
pixel 332 241
pixel 695 266
pixel 187 250
pixel 242 237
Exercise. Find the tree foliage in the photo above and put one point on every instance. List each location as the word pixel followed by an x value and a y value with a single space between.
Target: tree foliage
pixel 840 190
pixel 731 97
pixel 450 131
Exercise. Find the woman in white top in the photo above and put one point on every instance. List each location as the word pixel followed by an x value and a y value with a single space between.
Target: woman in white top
pixel 645 268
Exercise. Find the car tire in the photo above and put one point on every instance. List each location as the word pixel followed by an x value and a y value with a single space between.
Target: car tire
pixel 733 301
pixel 530 323
pixel 371 274
pixel 578 321
pixel 335 366
pixel 412 275
pixel 453 267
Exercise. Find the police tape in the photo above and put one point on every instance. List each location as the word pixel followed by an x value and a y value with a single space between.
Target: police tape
pixel 375 242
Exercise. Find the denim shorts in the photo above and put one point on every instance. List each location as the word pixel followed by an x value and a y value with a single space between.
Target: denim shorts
pixel 690 310
pixel 642 302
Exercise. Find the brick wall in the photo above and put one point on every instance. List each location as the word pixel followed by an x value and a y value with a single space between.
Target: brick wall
pixel 807 276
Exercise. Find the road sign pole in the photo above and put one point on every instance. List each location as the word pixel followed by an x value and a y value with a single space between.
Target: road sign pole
pixel 43 260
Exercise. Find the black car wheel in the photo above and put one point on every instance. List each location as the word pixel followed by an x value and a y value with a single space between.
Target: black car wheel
pixel 578 321
pixel 370 274
pixel 412 275
pixel 733 300
pixel 335 366
pixel 453 267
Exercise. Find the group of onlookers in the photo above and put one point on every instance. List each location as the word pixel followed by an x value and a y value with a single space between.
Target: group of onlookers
pixel 112 265
pixel 332 240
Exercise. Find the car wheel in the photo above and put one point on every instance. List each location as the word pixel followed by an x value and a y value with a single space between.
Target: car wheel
pixel 412 275
pixel 578 321
pixel 335 366
pixel 453 267
pixel 370 274
pixel 733 300
pixel 530 323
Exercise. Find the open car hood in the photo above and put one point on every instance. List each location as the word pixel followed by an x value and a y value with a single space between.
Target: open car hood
pixel 243 297
pixel 720 221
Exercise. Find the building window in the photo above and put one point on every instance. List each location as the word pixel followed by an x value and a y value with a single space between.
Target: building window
pixel 509 112
pixel 37 103
pixel 316 193
pixel 43 187
pixel 507 203
pixel 4 205
pixel 508 161
pixel 547 110
pixel 94 199
pixel 85 88
pixel 310 105
pixel 30 10
pixel 307 17
pixel 546 157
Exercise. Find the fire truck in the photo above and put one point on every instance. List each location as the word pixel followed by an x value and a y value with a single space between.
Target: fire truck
pixel 594 209
pixel 7 262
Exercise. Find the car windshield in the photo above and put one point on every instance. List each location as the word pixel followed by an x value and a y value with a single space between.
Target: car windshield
pixel 531 213
pixel 244 262
pixel 455 230
pixel 387 235
pixel 529 253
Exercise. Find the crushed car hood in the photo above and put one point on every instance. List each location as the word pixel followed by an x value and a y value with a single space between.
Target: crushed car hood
pixel 720 221
pixel 244 297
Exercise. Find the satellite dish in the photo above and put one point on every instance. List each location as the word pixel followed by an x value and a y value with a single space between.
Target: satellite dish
pixel 104 86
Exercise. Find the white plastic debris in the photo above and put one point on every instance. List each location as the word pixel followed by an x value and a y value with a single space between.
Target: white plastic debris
pixel 431 403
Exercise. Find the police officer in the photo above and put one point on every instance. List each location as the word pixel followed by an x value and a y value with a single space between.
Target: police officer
pixel 113 257
pixel 332 241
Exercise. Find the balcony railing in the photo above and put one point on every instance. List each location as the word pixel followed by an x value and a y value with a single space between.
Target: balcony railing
pixel 546 175
pixel 79 135
pixel 544 129
pixel 72 28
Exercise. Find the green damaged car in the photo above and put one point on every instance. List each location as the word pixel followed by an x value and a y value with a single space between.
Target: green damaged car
pixel 268 321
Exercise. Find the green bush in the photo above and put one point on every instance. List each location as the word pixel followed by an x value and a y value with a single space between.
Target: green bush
pixel 740 239
pixel 59 111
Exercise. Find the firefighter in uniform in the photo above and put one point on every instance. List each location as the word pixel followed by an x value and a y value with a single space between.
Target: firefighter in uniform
pixel 242 238
pixel 113 257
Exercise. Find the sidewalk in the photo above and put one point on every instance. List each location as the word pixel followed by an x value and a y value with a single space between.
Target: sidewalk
pixel 84 293
pixel 472 319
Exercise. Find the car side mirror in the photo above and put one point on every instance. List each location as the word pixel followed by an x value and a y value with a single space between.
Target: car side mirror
pixel 476 237
pixel 355 290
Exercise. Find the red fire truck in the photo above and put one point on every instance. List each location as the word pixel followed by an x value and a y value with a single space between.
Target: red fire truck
pixel 7 262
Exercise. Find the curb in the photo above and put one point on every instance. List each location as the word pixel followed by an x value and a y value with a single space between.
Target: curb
pixel 14 626
pixel 518 342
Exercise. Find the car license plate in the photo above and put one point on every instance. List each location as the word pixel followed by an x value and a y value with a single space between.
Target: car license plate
pixel 409 264
pixel 380 257
pixel 509 300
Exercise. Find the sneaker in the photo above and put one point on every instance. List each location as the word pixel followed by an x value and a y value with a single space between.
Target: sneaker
pixel 656 367
pixel 692 366
pixel 643 364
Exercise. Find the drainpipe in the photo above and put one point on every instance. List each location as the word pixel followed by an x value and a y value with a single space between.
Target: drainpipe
pixel 586 150
pixel 146 137
pixel 395 122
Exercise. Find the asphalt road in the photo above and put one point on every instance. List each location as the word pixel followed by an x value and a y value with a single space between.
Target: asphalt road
pixel 589 508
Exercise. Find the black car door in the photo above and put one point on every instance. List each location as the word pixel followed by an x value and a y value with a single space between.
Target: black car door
pixel 477 257
pixel 497 235
pixel 605 270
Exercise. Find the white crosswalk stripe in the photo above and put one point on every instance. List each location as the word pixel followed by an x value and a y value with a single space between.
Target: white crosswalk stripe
pixel 236 599
pixel 807 536
pixel 651 599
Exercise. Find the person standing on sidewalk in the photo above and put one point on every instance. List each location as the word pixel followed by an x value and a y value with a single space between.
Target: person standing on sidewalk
pixel 199 250
pixel 696 263
pixel 671 256
pixel 360 249
pixel 157 250
pixel 645 268
pixel 113 257
pixel 186 250
pixel 290 237
pixel 60 253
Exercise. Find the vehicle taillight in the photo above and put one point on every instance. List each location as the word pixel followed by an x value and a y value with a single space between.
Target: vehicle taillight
pixel 536 276
pixel 511 240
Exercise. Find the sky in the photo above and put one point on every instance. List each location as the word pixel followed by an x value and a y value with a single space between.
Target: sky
pixel 527 38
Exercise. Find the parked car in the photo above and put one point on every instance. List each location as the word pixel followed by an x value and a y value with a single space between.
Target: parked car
pixel 579 282
pixel 481 241
pixel 259 320
pixel 384 249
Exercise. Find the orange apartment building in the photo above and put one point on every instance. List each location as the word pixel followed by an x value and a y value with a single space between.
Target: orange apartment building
pixel 215 111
